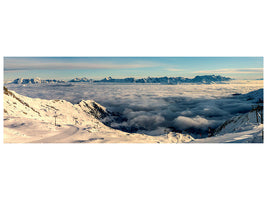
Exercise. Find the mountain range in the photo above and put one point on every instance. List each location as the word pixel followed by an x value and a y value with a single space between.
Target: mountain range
pixel 205 79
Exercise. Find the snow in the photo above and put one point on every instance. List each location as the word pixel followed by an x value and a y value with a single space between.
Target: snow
pixel 208 105
pixel 31 120
pixel 80 122
pixel 84 79
pixel 255 135
pixel 240 129
pixel 36 80
pixel 256 95
pixel 206 79
pixel 240 123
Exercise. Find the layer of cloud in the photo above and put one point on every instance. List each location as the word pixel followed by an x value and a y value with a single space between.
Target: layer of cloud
pixel 195 122
pixel 232 71
pixel 70 65
pixel 28 63
pixel 152 109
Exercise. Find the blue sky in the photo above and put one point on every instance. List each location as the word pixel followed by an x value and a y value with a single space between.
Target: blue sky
pixel 120 67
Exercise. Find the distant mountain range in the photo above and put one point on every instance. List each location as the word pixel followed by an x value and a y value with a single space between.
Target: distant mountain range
pixel 206 79
pixel 81 80
pixel 169 80
pixel 35 81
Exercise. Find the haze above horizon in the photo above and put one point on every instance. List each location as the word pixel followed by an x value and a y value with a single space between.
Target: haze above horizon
pixel 138 67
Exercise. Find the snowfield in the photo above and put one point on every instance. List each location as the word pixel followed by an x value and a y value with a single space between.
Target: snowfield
pixel 147 111
pixel 245 128
pixel 32 120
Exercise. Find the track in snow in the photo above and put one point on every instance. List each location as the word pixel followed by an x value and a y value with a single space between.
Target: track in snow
pixel 59 137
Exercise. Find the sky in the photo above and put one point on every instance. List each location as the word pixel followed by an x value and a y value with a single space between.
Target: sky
pixel 120 67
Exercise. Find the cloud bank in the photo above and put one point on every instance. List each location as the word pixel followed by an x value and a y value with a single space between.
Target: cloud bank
pixel 153 109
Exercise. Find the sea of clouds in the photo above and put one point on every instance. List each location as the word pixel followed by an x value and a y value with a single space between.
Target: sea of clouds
pixel 155 109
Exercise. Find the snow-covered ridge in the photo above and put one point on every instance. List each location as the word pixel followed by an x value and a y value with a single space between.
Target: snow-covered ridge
pixel 243 122
pixel 56 121
pixel 95 109
pixel 256 96
pixel 245 128
pixel 81 80
pixel 35 81
pixel 206 79
pixel 45 110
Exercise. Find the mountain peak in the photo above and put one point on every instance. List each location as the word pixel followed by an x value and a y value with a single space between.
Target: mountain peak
pixel 203 79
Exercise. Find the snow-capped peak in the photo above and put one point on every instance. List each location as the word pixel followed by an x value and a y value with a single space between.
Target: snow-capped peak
pixel 93 108
pixel 44 110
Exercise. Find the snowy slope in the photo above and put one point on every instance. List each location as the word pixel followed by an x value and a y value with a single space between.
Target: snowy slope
pixel 240 129
pixel 240 123
pixel 255 96
pixel 33 120
pixel 254 135
pixel 244 128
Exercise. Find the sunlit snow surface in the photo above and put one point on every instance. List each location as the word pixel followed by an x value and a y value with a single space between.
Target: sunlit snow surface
pixel 152 108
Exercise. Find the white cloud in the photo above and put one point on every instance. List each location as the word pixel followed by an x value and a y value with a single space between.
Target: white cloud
pixel 196 122
pixel 71 65
pixel 232 71
pixel 153 108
